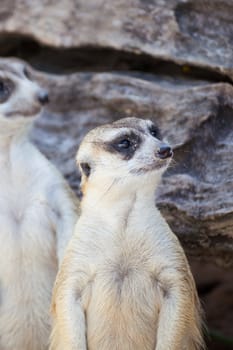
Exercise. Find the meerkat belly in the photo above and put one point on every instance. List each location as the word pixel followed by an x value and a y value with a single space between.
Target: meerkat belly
pixel 27 271
pixel 124 306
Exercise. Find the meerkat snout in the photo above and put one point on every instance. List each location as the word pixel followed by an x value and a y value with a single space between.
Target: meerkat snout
pixel 165 152
pixel 43 96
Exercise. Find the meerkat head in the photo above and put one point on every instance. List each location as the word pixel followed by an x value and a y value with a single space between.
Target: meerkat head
pixel 20 96
pixel 129 152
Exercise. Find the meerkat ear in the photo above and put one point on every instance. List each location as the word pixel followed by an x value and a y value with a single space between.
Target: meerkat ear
pixel 86 169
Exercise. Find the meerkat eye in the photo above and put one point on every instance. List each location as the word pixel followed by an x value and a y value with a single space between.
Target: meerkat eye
pixel 5 91
pixel 85 168
pixel 154 131
pixel 124 144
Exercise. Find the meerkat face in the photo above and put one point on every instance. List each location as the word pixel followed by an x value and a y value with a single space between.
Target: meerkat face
pixel 19 95
pixel 129 150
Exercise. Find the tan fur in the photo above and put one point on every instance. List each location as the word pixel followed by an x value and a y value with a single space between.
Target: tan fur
pixel 37 215
pixel 124 283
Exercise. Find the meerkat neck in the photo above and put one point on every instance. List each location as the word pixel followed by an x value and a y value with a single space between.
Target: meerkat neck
pixel 116 204
pixel 13 130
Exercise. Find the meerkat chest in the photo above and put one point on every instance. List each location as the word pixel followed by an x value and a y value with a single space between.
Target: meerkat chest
pixel 24 213
pixel 124 257
pixel 125 269
pixel 125 300
pixel 27 251
pixel 121 262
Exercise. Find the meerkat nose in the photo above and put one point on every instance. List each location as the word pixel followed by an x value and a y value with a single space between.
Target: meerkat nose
pixel 165 152
pixel 43 97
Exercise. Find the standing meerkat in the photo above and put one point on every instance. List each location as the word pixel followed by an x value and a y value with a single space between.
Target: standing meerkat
pixel 125 282
pixel 37 216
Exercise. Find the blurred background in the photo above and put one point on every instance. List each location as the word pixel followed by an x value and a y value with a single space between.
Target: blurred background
pixel 166 60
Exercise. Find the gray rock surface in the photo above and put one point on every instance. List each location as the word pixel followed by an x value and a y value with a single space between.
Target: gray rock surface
pixel 194 32
pixel 196 118
pixel 167 60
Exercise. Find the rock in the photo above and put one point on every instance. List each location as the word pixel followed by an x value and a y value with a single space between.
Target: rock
pixel 192 33
pixel 195 116
pixel 170 61
pixel 215 288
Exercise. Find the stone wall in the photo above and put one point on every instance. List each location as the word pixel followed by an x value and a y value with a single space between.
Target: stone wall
pixel 167 60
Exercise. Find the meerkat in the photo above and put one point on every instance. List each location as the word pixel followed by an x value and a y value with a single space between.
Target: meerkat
pixel 125 282
pixel 37 215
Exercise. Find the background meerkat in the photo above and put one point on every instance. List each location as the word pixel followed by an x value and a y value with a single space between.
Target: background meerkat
pixel 124 282
pixel 37 215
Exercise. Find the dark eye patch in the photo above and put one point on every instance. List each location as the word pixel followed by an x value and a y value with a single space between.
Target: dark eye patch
pixel 155 132
pixel 27 73
pixel 6 88
pixel 126 145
